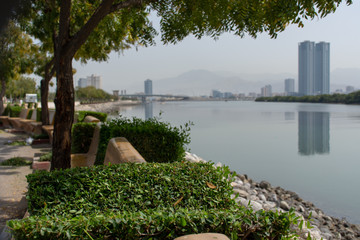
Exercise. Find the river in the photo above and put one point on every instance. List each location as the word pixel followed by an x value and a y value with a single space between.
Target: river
pixel 312 149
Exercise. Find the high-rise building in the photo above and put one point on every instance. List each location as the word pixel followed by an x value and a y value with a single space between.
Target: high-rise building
pixel 314 68
pixel 92 80
pixel 148 87
pixel 289 86
pixel 266 91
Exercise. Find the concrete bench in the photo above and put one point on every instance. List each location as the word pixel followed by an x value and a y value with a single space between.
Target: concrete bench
pixel 119 150
pixel 24 124
pixel 14 121
pixel 91 119
pixel 36 127
pixel 88 159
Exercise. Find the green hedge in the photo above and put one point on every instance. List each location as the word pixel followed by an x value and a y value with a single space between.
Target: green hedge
pixel 15 111
pixel 236 223
pixel 129 187
pixel 38 115
pixel 82 134
pixel 6 110
pixel 99 115
pixel 29 113
pixel 156 141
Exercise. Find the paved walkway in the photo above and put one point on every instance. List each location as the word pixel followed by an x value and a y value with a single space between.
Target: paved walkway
pixel 13 185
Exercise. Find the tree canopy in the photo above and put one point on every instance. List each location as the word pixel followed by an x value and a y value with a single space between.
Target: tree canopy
pixel 93 28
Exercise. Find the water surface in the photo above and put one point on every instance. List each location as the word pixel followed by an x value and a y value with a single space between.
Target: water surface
pixel 311 149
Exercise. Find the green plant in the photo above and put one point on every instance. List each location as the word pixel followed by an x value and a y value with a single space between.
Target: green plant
pixel 7 110
pixel 45 157
pixel 129 187
pixel 38 114
pixel 30 104
pixel 41 136
pixel 99 115
pixel 81 136
pixel 16 161
pixel 29 113
pixel 156 141
pixel 16 143
pixel 15 111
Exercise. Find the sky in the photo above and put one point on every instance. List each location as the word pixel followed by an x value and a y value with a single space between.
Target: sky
pixel 231 53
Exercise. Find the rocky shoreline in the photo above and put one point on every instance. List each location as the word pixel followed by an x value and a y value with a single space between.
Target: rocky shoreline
pixel 106 107
pixel 264 196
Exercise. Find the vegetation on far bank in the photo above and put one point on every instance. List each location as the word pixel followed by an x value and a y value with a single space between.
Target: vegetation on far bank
pixel 351 98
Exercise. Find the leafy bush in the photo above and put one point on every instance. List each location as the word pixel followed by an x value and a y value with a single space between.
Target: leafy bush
pixel 29 113
pixel 15 111
pixel 16 161
pixel 6 110
pixel 82 134
pixel 38 115
pixel 30 104
pixel 129 187
pixel 45 157
pixel 237 223
pixel 156 141
pixel 99 115
pixel 41 136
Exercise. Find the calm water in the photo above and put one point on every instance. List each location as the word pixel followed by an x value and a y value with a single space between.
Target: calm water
pixel 312 149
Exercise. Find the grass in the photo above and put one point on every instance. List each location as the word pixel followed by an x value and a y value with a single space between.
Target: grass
pixel 16 143
pixel 16 161
pixel 45 157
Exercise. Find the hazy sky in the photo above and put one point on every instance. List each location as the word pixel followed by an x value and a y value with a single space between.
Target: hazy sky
pixel 232 53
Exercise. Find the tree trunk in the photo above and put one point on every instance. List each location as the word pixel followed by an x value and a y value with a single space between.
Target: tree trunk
pixel 64 114
pixel 44 88
pixel 2 94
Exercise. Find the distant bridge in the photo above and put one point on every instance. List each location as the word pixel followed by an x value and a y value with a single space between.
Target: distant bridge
pixel 144 96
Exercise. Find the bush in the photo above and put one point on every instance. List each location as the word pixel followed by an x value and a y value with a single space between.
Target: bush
pixel 16 161
pixel 29 113
pixel 81 136
pixel 99 115
pixel 237 223
pixel 7 110
pixel 156 141
pixel 129 187
pixel 15 111
pixel 45 157
pixel 38 115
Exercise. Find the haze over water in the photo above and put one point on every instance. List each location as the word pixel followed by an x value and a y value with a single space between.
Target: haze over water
pixel 311 149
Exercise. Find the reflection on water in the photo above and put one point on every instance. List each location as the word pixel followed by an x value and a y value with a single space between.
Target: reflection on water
pixel 289 116
pixel 148 110
pixel 314 133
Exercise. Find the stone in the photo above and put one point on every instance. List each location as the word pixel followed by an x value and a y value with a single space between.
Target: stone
pixel 241 193
pixel 236 185
pixel 301 208
pixel 256 206
pixel 119 150
pixel 284 205
pixel 262 197
pixel 203 236
pixel 273 198
pixel 265 184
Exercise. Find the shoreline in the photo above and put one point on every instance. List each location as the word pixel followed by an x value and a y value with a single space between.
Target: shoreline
pixel 264 196
pixel 106 107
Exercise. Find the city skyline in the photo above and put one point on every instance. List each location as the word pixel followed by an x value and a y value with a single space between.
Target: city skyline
pixel 232 54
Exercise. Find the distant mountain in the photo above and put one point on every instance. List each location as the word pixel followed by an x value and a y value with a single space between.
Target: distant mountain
pixel 202 82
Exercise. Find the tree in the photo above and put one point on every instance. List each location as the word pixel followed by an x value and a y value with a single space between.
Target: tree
pixel 20 87
pixel 16 56
pixel 82 23
pixel 90 93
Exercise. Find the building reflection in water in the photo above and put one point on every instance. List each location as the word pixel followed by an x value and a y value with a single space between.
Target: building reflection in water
pixel 314 133
pixel 148 110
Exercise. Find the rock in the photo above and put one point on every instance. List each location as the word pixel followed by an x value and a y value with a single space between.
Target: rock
pixel 256 206
pixel 247 186
pixel 273 198
pixel 241 193
pixel 284 205
pixel 203 236
pixel 265 185
pixel 236 185
pixel 269 205
pixel 301 209
pixel 262 197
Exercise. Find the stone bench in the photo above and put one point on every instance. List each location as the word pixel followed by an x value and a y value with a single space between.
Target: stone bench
pixel 119 150
pixel 91 119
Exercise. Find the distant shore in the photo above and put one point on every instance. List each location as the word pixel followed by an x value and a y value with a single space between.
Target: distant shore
pixel 106 107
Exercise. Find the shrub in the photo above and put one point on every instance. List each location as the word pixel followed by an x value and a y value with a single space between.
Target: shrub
pixel 38 115
pixel 29 113
pixel 237 223
pixel 129 187
pixel 45 157
pixel 15 111
pixel 30 104
pixel 81 136
pixel 156 141
pixel 7 110
pixel 99 115
pixel 16 161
